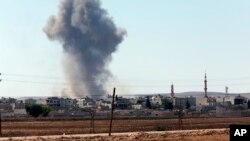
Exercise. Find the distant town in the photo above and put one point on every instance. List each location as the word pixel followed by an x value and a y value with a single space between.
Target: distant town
pixel 193 104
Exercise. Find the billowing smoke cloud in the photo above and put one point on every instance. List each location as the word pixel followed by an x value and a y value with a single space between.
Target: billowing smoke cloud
pixel 89 38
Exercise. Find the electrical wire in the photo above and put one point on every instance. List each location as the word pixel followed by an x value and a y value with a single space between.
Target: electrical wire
pixel 135 85
pixel 144 80
pixel 30 76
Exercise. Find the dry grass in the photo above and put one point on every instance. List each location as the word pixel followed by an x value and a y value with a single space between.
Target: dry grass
pixel 38 128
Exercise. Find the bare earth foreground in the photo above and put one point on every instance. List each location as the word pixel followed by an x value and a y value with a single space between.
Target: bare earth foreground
pixel 184 135
pixel 14 128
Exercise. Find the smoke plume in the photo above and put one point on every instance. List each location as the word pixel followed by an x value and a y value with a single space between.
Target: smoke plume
pixel 89 37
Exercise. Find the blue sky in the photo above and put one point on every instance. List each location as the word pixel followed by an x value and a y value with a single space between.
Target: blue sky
pixel 167 41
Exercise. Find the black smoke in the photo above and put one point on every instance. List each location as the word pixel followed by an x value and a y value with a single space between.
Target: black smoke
pixel 89 37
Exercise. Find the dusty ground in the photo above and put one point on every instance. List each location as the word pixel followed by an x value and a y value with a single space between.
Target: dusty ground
pixel 41 128
pixel 199 135
pixel 193 136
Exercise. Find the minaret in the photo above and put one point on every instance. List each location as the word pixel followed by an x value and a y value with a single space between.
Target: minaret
pixel 172 90
pixel 226 90
pixel 205 83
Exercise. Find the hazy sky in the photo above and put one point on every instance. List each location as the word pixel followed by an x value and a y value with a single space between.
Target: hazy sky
pixel 167 41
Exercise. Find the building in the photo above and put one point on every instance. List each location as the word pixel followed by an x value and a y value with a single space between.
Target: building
pixel 6 107
pixel 220 99
pixel 240 100
pixel 103 105
pixel 156 100
pixel 122 103
pixel 228 100
pixel 57 103
pixel 41 101
pixel 9 100
pixel 53 102
pixel 211 101
pixel 137 106
pixel 184 102
pixel 29 101
pixel 85 102
pixel 19 109
pixel 201 102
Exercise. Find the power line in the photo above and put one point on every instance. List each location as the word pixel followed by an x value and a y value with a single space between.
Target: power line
pixel 131 86
pixel 109 84
pixel 31 76
pixel 162 80
pixel 34 82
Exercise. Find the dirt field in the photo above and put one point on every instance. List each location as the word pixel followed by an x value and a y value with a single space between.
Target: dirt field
pixel 39 128
pixel 206 135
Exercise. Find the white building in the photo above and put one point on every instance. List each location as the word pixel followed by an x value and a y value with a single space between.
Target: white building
pixel 219 99
pixel 156 100
pixel 102 103
pixel 20 111
pixel 41 101
pixel 19 108
pixel 229 99
pixel 200 102
pixel 106 104
pixel 85 102
pixel 137 106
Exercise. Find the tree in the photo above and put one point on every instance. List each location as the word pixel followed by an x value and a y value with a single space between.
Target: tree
pixel 46 110
pixel 188 105
pixel 148 103
pixel 36 110
pixel 167 104
pixel 248 104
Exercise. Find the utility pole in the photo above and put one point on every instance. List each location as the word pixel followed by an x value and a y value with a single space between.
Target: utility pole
pixel 0 117
pixel 92 120
pixel 111 113
pixel 0 124
pixel 180 114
